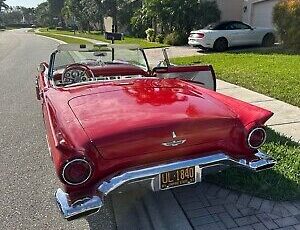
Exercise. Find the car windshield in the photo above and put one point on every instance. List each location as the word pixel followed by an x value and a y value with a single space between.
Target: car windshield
pixel 97 55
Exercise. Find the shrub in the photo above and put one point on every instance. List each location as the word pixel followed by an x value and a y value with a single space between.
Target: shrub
pixel 160 38
pixel 176 39
pixel 286 17
pixel 150 34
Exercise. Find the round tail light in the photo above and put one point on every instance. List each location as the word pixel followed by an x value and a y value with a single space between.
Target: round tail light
pixel 77 172
pixel 257 138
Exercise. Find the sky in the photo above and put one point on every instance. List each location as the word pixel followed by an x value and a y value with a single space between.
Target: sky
pixel 26 3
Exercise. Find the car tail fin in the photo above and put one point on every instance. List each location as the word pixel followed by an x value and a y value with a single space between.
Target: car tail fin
pixel 246 112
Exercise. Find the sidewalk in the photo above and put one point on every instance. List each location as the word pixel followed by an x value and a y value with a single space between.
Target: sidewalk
pixel 81 38
pixel 286 119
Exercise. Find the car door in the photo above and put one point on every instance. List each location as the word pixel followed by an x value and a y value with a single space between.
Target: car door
pixel 245 35
pixel 231 34
pixel 201 75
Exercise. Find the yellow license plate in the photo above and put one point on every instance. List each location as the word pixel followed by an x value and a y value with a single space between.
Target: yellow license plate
pixel 177 178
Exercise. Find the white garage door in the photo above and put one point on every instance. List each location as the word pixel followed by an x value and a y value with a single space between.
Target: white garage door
pixel 261 14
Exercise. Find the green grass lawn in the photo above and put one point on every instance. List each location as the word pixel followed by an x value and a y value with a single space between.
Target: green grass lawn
pixel 272 72
pixel 280 183
pixel 100 37
pixel 64 39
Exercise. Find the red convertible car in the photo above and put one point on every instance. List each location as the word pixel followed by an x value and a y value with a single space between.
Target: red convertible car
pixel 112 120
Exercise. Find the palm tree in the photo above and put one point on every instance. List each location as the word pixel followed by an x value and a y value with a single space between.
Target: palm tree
pixel 3 5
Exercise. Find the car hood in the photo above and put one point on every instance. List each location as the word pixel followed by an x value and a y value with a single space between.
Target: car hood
pixel 137 118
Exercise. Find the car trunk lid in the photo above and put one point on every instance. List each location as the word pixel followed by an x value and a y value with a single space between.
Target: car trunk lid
pixel 140 118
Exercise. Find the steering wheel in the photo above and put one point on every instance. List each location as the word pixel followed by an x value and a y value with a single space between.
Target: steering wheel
pixel 76 73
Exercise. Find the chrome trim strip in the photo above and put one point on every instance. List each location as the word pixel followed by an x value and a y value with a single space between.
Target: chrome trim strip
pixel 260 162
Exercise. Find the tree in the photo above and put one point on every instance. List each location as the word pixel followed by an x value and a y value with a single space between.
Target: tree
pixel 120 10
pixel 140 22
pixel 55 9
pixel 86 13
pixel 42 14
pixel 28 14
pixel 12 16
pixel 18 15
pixel 182 15
pixel 286 17
pixel 3 5
pixel 177 17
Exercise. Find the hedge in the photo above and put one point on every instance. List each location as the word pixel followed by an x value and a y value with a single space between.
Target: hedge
pixel 286 17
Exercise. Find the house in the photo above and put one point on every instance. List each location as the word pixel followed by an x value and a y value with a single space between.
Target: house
pixel 230 9
pixel 257 13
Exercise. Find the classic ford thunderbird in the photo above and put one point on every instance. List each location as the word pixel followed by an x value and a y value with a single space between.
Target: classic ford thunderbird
pixel 112 120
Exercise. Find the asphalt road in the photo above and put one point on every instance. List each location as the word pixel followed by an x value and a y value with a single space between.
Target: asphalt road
pixel 27 180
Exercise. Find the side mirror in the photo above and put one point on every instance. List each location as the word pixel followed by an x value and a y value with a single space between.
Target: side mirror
pixel 41 68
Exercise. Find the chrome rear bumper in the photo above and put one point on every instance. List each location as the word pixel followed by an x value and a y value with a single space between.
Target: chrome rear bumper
pixel 92 205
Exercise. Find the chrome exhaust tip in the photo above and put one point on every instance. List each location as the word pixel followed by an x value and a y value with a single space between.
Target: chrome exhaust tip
pixel 79 209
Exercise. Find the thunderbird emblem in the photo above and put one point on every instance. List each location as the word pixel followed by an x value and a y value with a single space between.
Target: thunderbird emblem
pixel 174 142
